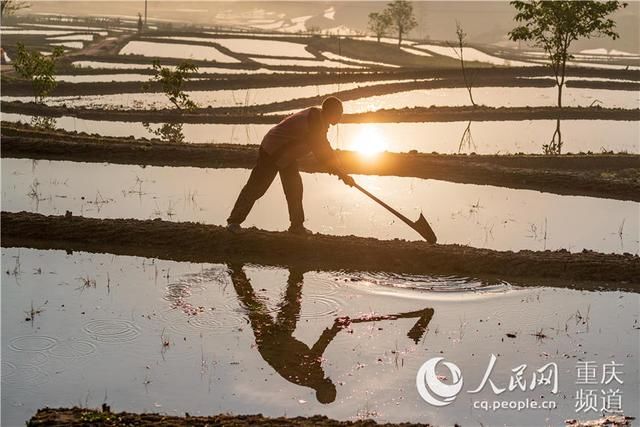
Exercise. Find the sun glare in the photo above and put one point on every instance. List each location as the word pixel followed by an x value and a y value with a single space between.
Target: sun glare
pixel 369 141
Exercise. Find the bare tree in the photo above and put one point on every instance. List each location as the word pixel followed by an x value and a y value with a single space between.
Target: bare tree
pixel 459 51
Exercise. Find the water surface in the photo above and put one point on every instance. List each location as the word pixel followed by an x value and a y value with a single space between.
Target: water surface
pixel 175 50
pixel 476 215
pixel 147 335
pixel 490 137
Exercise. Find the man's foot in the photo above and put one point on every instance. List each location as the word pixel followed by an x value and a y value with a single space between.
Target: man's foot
pixel 300 230
pixel 234 227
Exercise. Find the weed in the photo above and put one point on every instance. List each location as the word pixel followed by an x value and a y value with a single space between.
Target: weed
pixel 86 283
pixel 33 312
pixel 34 191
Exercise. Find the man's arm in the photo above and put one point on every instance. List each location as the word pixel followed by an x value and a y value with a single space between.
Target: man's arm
pixel 322 148
pixel 328 335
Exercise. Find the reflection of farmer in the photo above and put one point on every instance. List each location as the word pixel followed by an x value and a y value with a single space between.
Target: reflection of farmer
pixel 294 137
pixel 291 358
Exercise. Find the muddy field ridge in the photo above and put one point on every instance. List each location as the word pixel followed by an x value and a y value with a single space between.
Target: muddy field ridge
pixel 195 242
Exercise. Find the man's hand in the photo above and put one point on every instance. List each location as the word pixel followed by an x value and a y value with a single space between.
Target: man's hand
pixel 347 179
pixel 342 322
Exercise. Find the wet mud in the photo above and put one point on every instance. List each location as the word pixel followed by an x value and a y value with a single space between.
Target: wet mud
pixel 210 243
pixel 88 417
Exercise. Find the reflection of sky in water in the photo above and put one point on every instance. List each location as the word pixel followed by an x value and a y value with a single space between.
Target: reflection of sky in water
pixel 203 70
pixel 473 54
pixel 497 97
pixel 176 50
pixel 213 365
pixel 489 96
pixel 217 98
pixel 487 137
pixel 475 215
pixel 253 46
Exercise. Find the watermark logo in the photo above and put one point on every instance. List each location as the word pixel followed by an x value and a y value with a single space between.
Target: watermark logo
pixel 430 386
pixel 436 392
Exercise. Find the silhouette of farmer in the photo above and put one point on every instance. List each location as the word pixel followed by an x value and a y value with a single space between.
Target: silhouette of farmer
pixel 293 138
pixel 291 358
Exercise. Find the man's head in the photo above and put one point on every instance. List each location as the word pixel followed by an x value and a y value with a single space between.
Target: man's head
pixel 332 110
pixel 326 391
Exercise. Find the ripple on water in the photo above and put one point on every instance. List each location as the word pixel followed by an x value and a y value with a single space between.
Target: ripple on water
pixel 8 370
pixel 112 330
pixel 176 291
pixel 32 343
pixel 26 376
pixel 319 306
pixel 192 283
pixel 74 348
pixel 219 321
pixel 447 284
pixel 326 284
pixel 33 358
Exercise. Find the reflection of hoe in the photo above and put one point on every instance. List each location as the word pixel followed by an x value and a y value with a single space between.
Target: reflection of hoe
pixel 415 333
pixel 420 225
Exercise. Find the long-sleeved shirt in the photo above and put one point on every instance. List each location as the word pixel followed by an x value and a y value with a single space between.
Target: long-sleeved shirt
pixel 297 136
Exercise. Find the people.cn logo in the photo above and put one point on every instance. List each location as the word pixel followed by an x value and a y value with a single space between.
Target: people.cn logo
pixel 432 389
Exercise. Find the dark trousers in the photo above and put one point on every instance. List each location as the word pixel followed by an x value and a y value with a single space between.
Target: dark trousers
pixel 259 182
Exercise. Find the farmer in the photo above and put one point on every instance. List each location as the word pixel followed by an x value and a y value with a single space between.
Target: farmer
pixel 293 138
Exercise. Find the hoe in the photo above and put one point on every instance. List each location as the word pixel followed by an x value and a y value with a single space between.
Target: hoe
pixel 420 225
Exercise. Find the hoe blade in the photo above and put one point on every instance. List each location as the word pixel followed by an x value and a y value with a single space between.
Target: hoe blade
pixel 424 229
pixel 420 327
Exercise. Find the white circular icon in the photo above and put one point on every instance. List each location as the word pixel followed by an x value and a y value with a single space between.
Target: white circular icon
pixel 434 391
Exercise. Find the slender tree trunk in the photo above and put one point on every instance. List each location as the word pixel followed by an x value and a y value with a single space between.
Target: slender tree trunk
pixel 564 62
pixel 399 38
pixel 467 82
pixel 559 145
pixel 560 95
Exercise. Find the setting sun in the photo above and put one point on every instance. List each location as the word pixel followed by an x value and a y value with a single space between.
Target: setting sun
pixel 369 141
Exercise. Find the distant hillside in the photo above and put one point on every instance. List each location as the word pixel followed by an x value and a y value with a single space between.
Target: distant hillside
pixel 485 22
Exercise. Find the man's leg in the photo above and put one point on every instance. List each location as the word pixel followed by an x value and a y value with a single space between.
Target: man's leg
pixel 259 181
pixel 289 312
pixel 292 185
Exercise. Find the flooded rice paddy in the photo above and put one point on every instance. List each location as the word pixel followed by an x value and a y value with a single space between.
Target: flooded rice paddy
pixel 336 57
pixel 176 50
pixel 148 335
pixel 74 37
pixel 215 98
pixel 473 54
pixel 202 70
pixel 151 335
pixel 103 78
pixel 497 97
pixel 253 46
pixel 475 215
pixel 489 96
pixel 487 137
pixel 302 63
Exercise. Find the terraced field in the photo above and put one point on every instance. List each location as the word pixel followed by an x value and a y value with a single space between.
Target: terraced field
pixel 120 284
